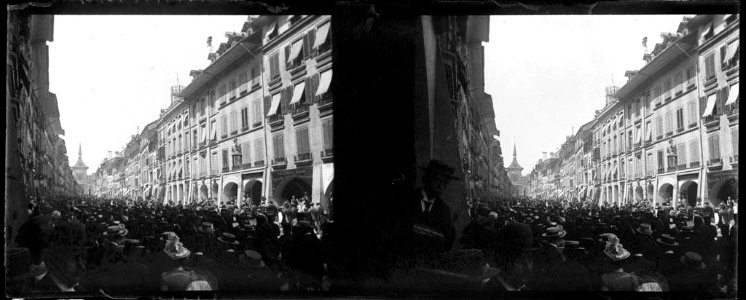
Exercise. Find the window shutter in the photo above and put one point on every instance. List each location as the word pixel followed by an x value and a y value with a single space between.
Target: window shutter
pixel 259 149
pixel 246 153
pixel 681 153
pixel 694 151
pixel 267 103
pixel 734 139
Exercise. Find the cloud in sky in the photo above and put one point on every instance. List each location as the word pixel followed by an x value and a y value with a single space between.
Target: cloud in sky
pixel 547 74
pixel 112 74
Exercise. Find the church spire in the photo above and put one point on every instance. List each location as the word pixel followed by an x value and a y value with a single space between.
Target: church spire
pixel 515 153
pixel 80 164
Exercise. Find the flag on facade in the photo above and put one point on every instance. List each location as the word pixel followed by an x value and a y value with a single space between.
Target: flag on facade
pixel 209 41
pixel 645 41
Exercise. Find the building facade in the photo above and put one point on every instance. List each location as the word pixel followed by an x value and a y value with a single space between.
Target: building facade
pixel 670 133
pixel 298 102
pixel 36 156
pixel 255 125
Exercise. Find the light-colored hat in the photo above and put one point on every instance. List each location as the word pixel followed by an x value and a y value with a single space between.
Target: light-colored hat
pixel 174 248
pixel 614 248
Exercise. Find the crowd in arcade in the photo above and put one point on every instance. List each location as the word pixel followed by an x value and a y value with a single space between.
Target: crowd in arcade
pixel 123 246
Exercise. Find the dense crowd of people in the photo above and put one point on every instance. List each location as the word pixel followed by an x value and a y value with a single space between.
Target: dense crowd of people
pixel 512 245
pixel 119 245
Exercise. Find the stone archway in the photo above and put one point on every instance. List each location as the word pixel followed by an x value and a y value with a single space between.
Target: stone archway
pixel 722 190
pixel 203 193
pixel 651 193
pixel 230 192
pixel 293 186
pixel 214 191
pixel 689 192
pixel 253 190
pixel 638 193
pixel 665 191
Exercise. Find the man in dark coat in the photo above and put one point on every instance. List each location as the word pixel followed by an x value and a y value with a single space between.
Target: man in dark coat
pixel 428 209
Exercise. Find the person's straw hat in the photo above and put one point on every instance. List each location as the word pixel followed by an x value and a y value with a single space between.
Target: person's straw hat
pixel 554 232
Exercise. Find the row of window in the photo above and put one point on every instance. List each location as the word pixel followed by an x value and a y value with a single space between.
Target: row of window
pixel 729 58
pixel 681 158
pixel 313 42
pixel 229 159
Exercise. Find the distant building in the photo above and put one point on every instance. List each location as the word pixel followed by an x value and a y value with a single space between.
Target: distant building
pixel 520 183
pixel 80 172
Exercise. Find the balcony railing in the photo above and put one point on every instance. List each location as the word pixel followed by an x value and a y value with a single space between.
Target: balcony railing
pixel 715 162
pixel 243 88
pixel 256 124
pixel 680 129
pixel 712 119
pixel 732 110
pixel 670 133
pixel 226 169
pixel 221 99
pixel 279 161
pixel 303 157
pixel 734 159
pixel 661 170
pixel 300 109
pixel 672 168
pixel 275 118
pixel 259 163
pixel 255 83
pixel 694 164
pixel 693 124
pixel 327 152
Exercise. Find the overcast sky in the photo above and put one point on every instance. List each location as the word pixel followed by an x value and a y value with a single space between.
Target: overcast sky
pixel 112 74
pixel 547 74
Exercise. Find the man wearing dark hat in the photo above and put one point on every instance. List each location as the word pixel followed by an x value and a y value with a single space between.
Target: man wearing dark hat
pixel 514 262
pixel 429 210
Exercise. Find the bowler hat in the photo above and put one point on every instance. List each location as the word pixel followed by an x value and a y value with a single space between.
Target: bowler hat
pixel 668 240
pixel 438 167
pixel 206 227
pixel 228 238
pixel 645 229
pixel 694 260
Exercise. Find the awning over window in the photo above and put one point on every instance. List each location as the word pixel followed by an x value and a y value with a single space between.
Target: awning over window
pixel 298 92
pixel 270 29
pixel 275 105
pixel 731 51
pixel 710 105
pixel 733 96
pixel 295 50
pixel 707 31
pixel 321 35
pixel 324 81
